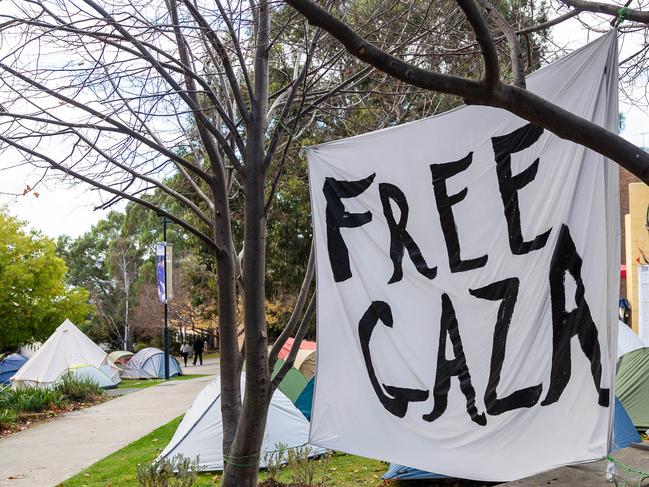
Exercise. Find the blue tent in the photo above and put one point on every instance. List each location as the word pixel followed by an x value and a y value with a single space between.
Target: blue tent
pixel 9 366
pixel 624 433
pixel 305 399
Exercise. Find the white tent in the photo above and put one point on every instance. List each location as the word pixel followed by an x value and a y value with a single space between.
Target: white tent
pixel 200 434
pixel 66 350
pixel 627 340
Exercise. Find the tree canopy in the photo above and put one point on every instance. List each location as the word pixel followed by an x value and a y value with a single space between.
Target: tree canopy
pixel 34 298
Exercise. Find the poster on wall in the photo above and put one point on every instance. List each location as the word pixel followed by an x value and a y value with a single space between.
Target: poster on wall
pixel 643 302
pixel 467 278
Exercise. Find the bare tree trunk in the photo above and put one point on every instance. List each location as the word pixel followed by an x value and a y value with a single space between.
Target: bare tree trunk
pixel 227 316
pixel 242 468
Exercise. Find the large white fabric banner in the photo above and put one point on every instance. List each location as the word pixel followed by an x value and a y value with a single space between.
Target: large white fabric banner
pixel 467 280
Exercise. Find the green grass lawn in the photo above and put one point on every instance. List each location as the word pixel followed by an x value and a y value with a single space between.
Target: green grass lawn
pixel 142 384
pixel 119 468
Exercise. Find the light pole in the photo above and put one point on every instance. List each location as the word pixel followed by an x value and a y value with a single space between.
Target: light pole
pixel 166 326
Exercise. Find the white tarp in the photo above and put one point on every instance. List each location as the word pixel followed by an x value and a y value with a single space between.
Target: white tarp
pixel 200 434
pixel 66 349
pixel 462 260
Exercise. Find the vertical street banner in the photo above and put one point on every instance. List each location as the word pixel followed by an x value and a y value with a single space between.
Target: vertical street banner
pixel 467 285
pixel 164 271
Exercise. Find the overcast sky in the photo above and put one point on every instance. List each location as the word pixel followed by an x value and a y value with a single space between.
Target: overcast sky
pixel 62 208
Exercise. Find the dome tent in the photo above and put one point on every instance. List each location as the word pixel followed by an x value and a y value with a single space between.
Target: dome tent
pixel 308 365
pixel 627 340
pixel 632 386
pixel 201 431
pixel 120 358
pixel 148 363
pixel 66 349
pixel 90 373
pixel 9 366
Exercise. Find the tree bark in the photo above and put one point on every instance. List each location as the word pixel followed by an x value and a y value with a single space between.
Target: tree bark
pixel 242 466
pixel 229 365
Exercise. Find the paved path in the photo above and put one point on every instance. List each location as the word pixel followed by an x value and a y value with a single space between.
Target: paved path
pixel 591 474
pixel 52 452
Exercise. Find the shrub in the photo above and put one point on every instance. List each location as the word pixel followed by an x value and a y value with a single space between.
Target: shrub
pixel 78 389
pixel 7 418
pixel 307 471
pixel 275 461
pixel 30 399
pixel 178 471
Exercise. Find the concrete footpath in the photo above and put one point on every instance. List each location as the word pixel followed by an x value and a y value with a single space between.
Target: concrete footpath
pixel 593 474
pixel 48 454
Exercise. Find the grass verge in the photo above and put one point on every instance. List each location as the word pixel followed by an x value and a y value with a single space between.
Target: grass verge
pixel 143 384
pixel 119 468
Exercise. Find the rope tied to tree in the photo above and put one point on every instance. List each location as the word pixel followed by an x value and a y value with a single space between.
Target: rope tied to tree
pixel 256 456
pixel 231 460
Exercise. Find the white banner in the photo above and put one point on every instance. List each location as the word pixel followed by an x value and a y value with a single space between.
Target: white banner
pixel 467 285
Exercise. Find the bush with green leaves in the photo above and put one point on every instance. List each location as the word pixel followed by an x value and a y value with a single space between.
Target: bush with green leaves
pixel 78 389
pixel 7 418
pixel 178 471
pixel 26 399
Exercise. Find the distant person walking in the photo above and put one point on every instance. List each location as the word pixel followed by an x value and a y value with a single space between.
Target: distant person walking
pixel 184 351
pixel 199 344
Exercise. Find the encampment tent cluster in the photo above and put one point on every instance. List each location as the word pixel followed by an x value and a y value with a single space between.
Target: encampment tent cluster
pixel 68 351
pixel 200 433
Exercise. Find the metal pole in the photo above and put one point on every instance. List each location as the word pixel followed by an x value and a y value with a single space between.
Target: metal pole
pixel 166 328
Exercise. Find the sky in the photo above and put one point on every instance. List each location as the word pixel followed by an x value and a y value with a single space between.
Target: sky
pixel 63 208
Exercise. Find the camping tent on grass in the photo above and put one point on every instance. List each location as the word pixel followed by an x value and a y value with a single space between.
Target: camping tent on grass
pixel 307 367
pixel 623 435
pixel 67 350
pixel 293 382
pixel 627 340
pixel 305 400
pixel 149 363
pixel 201 434
pixel 120 358
pixel 286 348
pixel 9 366
pixel 632 386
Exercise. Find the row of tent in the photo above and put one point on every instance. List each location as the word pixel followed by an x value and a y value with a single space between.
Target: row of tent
pixel 148 363
pixel 200 433
pixel 68 351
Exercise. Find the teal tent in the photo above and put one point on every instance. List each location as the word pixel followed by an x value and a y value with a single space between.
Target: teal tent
pixel 305 400
pixel 293 383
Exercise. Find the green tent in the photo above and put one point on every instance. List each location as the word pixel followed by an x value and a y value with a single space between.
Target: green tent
pixel 293 383
pixel 632 386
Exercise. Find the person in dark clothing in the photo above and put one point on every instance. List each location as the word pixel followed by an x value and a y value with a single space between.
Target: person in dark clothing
pixel 199 344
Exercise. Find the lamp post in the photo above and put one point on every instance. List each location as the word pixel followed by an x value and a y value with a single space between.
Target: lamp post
pixel 166 326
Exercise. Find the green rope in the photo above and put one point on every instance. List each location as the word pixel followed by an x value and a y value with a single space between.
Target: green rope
pixel 621 13
pixel 623 466
pixel 626 467
pixel 256 456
